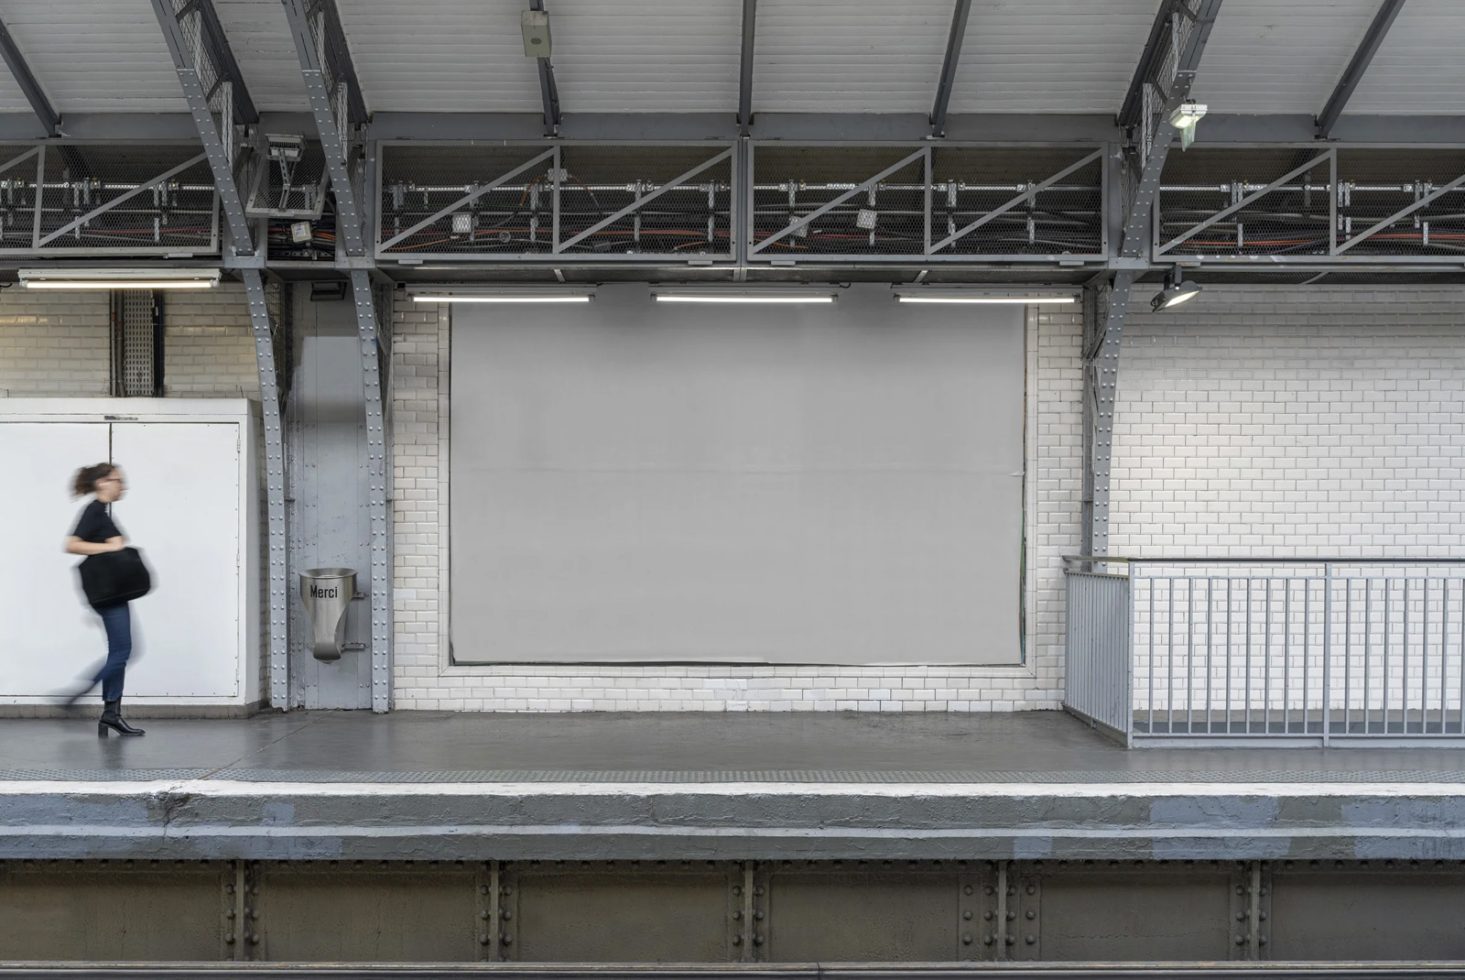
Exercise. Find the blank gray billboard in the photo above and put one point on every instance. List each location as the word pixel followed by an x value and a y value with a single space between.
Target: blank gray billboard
pixel 634 481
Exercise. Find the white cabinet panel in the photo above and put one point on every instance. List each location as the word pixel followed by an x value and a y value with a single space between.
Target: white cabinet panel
pixel 182 510
pixel 48 635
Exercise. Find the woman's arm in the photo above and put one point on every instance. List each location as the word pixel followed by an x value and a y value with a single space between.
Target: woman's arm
pixel 77 546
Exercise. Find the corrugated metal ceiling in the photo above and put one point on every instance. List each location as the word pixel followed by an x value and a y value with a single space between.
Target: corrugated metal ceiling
pixel 442 55
pixel 1419 68
pixel 1266 56
pixel 1050 55
pixel 848 55
pixel 96 55
pixel 644 56
pixel 1019 56
pixel 260 38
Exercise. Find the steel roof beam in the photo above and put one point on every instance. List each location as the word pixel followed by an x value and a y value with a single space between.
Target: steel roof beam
pixel 223 58
pixel 1104 332
pixel 216 138
pixel 40 105
pixel 954 42
pixel 1353 74
pixel 745 70
pixel 549 92
pixel 1159 34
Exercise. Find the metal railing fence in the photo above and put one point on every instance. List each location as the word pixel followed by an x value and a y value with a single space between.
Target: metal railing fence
pixel 1316 650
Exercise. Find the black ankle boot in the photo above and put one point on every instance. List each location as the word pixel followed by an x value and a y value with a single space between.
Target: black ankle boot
pixel 112 718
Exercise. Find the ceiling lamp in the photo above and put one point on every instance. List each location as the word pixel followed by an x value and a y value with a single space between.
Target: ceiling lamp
pixel 119 278
pixel 714 294
pixel 1177 290
pixel 501 294
pixel 1000 297
pixel 1185 117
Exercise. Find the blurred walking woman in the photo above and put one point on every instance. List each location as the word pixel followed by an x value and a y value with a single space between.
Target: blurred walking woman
pixel 96 534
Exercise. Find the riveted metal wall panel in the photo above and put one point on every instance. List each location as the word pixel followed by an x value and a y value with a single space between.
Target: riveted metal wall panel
pixel 411 913
pixel 1384 910
pixel 114 911
pixel 871 912
pixel 620 912
pixel 1134 911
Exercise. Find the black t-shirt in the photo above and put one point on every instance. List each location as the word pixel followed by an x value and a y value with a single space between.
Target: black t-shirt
pixel 96 524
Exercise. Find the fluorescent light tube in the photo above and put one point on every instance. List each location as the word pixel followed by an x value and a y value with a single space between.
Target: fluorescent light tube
pixel 109 279
pixel 732 295
pixel 451 298
pixel 927 294
pixel 500 294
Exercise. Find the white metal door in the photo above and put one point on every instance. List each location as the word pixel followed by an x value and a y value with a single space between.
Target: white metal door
pixel 48 634
pixel 182 511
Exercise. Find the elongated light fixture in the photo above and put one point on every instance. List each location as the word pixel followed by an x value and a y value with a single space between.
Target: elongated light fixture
pixel 1177 290
pixel 1000 297
pixel 733 294
pixel 501 294
pixel 119 278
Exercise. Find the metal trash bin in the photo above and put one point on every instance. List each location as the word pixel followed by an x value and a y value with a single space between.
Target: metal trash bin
pixel 326 594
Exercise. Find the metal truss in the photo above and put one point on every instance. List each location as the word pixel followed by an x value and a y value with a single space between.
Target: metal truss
pixel 1316 212
pixel 745 67
pixel 1162 82
pixel 116 206
pixel 927 218
pixel 332 93
pixel 528 203
pixel 194 40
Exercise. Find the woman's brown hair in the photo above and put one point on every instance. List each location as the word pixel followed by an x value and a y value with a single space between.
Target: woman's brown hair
pixel 87 477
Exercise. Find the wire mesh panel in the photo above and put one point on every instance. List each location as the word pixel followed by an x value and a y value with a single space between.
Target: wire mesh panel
pixel 19 179
pixel 1254 202
pixel 1390 205
pixel 859 201
pixel 1039 202
pixel 524 200
pixel 622 200
pixel 285 178
pixel 114 199
pixel 1300 203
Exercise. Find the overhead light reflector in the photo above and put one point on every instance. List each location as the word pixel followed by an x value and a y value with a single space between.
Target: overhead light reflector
pixel 501 294
pixel 119 278
pixel 1019 297
pixel 743 295
pixel 1177 290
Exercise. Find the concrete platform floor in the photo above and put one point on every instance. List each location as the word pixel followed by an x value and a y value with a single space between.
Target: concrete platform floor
pixel 432 747
pixel 442 786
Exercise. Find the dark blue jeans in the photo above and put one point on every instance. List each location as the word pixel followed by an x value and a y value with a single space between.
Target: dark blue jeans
pixel 118 622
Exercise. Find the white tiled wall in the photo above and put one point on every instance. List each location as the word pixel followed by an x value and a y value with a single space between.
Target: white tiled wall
pixel 54 344
pixel 58 344
pixel 1273 421
pixel 209 345
pixel 425 679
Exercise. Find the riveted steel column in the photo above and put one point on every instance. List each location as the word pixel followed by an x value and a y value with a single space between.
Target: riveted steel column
pixel 269 396
pixel 309 29
pixel 376 483
pixel 216 146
